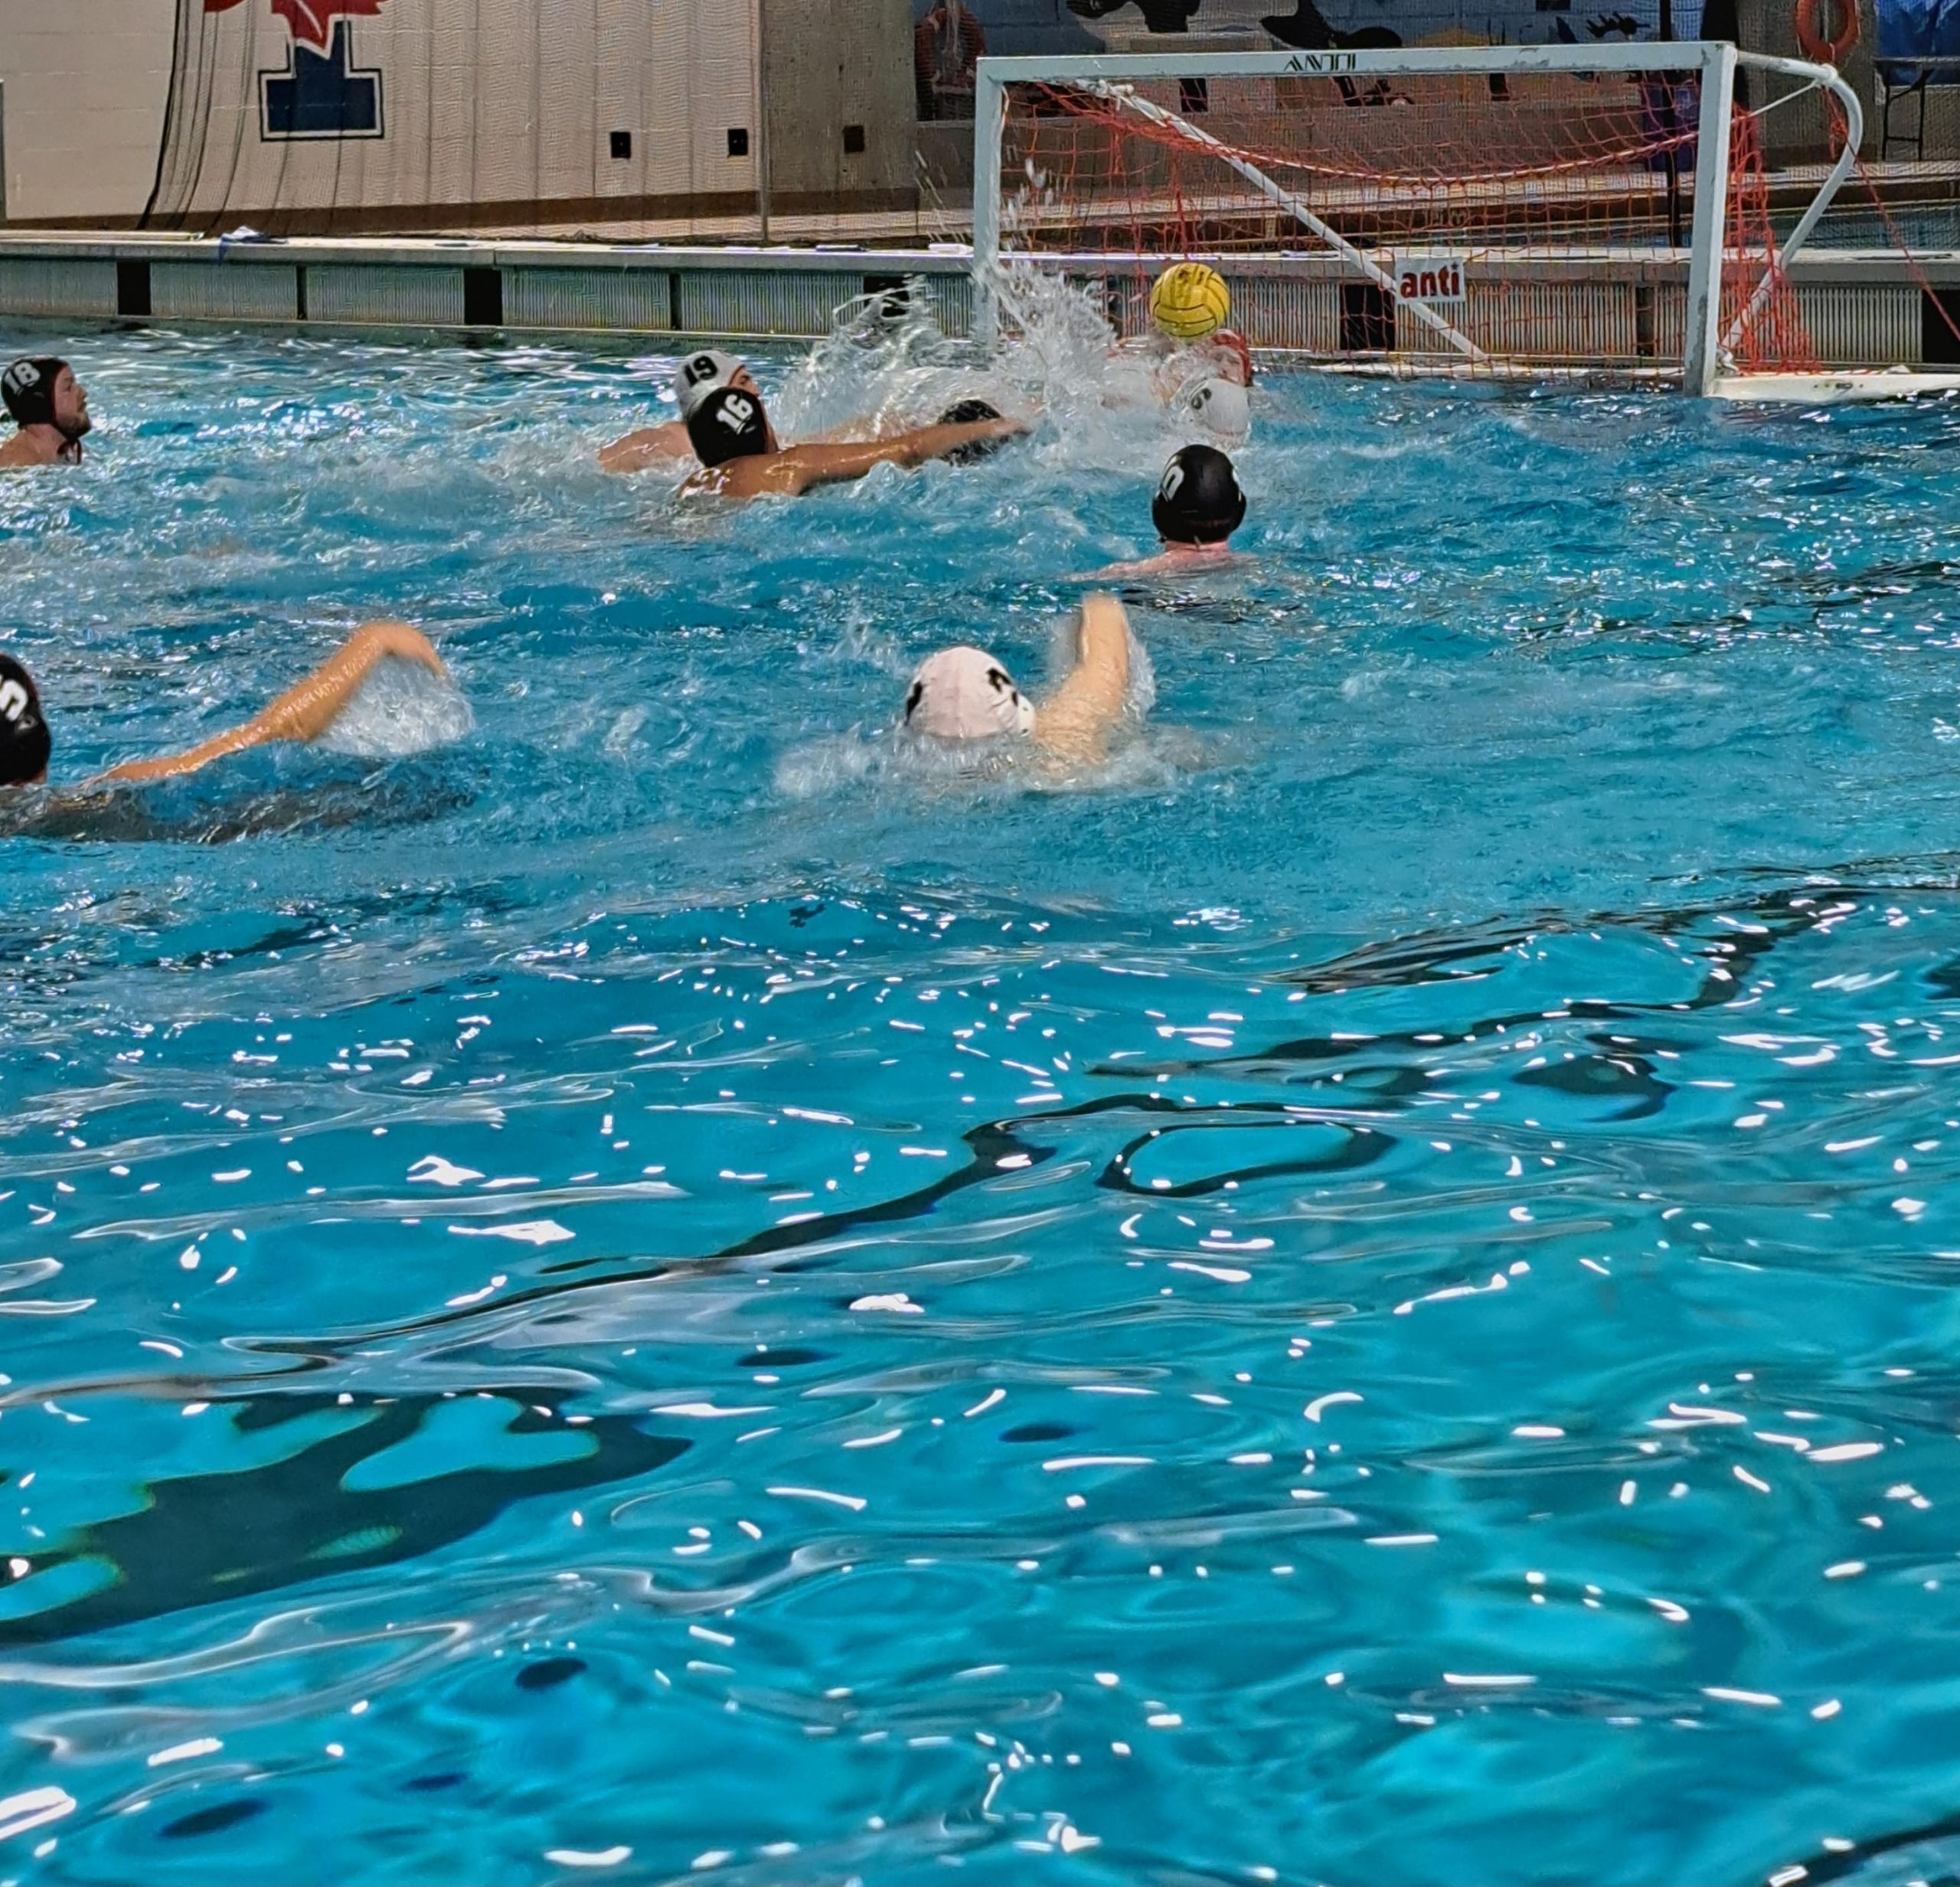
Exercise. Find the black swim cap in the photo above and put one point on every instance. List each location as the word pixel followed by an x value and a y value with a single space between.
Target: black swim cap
pixel 970 413
pixel 24 741
pixel 28 388
pixel 728 424
pixel 1199 501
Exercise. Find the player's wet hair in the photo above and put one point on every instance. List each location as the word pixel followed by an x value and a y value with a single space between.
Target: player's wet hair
pixel 728 424
pixel 25 743
pixel 1198 499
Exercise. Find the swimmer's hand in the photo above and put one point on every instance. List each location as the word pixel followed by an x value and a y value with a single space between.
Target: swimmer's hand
pixel 974 431
pixel 1074 723
pixel 304 712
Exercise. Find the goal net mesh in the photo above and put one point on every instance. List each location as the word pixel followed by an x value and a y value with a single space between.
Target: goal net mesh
pixel 1518 221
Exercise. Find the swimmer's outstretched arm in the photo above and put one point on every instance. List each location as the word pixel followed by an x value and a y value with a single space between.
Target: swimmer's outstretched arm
pixel 664 446
pixel 1073 724
pixel 304 712
pixel 800 467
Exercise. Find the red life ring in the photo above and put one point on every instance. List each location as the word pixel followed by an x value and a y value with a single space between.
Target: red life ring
pixel 1810 31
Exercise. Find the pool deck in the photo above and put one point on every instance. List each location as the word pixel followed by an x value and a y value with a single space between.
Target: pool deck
pixel 1866 308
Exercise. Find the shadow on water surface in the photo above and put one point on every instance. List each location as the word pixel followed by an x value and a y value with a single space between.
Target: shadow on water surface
pixel 237 1534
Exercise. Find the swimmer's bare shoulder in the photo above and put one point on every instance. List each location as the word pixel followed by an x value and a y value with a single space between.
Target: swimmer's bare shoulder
pixel 786 474
pixel 740 477
pixel 651 447
pixel 1195 561
pixel 23 452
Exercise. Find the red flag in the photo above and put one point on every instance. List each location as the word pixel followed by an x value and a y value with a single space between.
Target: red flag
pixel 312 20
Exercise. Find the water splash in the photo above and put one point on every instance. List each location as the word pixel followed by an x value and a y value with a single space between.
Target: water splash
pixel 887 366
pixel 400 710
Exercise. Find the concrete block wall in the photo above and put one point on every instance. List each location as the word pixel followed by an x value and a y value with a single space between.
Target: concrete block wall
pixel 836 74
pixel 85 83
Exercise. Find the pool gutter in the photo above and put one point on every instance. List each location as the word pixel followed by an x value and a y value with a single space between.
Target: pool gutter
pixel 1863 308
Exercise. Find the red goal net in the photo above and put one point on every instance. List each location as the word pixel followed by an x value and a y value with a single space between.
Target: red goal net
pixel 1478 222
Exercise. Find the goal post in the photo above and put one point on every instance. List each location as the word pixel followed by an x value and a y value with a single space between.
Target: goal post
pixel 1701 330
pixel 1582 206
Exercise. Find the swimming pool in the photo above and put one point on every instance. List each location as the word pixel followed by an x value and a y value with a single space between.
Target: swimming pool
pixel 643 1295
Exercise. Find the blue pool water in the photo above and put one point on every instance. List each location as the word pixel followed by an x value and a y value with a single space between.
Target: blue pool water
pixel 645 1295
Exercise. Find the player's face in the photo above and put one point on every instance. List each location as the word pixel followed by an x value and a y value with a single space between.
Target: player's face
pixel 71 405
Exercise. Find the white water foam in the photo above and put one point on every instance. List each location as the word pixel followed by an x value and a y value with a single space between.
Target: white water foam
pixel 399 708
pixel 886 367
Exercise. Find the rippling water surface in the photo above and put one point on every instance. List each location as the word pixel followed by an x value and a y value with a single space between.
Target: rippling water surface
pixel 645 1295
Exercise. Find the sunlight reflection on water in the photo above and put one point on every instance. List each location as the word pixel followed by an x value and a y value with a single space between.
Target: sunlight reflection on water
pixel 1393 1251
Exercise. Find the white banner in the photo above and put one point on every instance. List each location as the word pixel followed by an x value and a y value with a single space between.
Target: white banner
pixel 1436 279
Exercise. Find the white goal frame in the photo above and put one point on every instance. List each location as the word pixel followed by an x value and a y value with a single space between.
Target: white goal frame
pixel 1715 61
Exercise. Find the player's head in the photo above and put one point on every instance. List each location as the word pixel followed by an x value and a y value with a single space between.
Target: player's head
pixel 1198 500
pixel 1189 300
pixel 42 390
pixel 24 741
pixel 971 413
pixel 1221 408
pixel 700 374
pixel 1235 357
pixel 963 693
pixel 728 423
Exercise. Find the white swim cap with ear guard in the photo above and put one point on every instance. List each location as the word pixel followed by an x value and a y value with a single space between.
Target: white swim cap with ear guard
pixel 963 693
pixel 1221 408
pixel 699 374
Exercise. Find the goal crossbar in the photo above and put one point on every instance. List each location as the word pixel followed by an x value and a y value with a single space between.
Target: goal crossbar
pixel 1113 78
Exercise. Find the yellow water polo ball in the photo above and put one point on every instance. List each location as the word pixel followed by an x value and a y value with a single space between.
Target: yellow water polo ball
pixel 1190 301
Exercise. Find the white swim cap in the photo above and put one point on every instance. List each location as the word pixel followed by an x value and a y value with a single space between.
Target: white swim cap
pixel 1220 407
pixel 699 374
pixel 963 693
